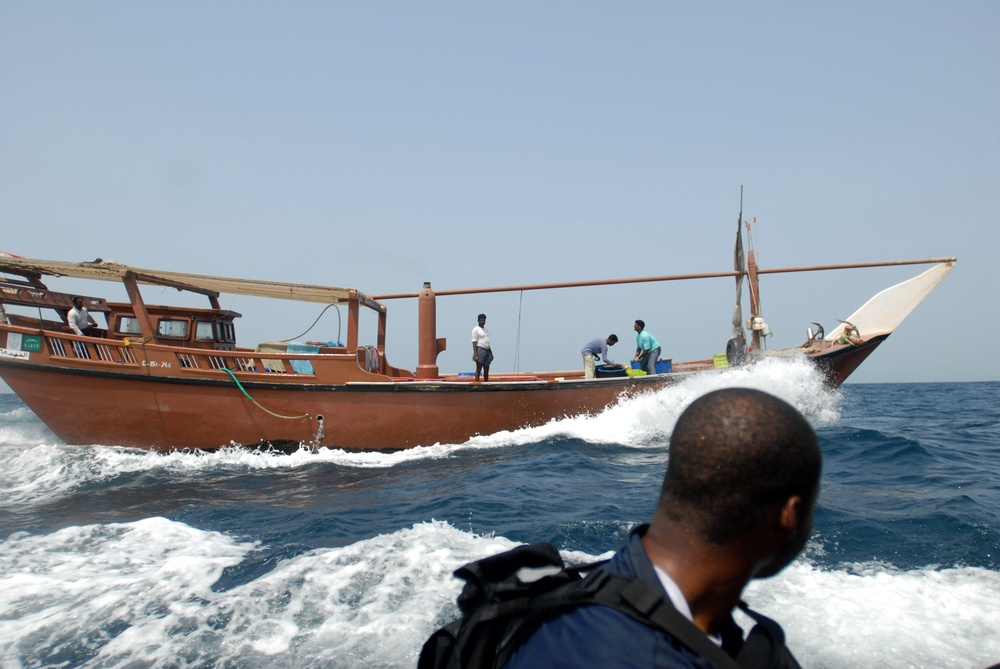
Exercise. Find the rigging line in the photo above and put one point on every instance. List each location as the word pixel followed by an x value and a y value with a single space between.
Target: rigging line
pixel 339 325
pixel 256 403
pixel 752 233
pixel 517 345
pixel 228 310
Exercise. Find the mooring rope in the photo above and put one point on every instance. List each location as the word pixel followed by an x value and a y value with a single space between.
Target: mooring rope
pixel 256 403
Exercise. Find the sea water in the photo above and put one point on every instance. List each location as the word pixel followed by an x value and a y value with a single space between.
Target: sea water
pixel 112 557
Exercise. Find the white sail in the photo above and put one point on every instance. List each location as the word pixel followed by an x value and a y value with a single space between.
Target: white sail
pixel 883 313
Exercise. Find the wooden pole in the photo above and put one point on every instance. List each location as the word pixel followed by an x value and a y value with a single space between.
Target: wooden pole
pixel 653 279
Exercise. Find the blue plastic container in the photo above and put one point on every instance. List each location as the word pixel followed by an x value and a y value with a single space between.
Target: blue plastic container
pixel 662 366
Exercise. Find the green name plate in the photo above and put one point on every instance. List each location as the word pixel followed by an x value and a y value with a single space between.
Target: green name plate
pixel 31 343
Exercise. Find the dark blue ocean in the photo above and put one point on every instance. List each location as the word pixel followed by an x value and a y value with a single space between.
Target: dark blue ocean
pixel 120 558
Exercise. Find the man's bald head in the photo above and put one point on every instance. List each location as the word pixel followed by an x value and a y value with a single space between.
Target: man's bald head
pixel 736 454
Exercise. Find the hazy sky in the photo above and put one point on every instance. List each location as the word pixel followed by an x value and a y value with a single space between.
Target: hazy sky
pixel 378 145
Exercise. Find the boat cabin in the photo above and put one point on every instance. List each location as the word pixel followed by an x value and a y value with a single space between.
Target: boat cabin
pixel 29 303
pixel 179 326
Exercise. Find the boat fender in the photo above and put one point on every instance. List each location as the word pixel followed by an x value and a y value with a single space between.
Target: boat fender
pixel 736 354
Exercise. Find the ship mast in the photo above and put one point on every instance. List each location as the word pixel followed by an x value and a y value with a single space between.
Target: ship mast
pixel 738 340
pixel 756 324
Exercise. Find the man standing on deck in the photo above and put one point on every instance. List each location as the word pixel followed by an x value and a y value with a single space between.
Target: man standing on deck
pixel 736 504
pixel 647 349
pixel 482 354
pixel 597 349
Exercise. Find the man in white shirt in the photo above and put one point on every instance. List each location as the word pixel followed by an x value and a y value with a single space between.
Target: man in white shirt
pixel 79 318
pixel 482 353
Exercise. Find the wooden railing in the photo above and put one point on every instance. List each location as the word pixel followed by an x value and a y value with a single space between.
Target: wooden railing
pixel 68 346
pixel 236 362
pixel 123 352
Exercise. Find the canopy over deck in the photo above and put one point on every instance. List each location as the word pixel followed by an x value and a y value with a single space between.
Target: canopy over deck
pixel 104 270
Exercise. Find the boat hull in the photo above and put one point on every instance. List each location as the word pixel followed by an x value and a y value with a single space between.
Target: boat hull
pixel 162 413
pixel 89 406
pixel 840 362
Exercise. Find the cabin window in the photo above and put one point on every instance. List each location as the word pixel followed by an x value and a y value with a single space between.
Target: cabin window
pixel 226 331
pixel 128 325
pixel 203 331
pixel 168 327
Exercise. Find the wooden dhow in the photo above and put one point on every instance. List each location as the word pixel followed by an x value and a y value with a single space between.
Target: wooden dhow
pixel 173 377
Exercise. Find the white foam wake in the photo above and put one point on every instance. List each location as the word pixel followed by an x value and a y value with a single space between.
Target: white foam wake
pixel 140 594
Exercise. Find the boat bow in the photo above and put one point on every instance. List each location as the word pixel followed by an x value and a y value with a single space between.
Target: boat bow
pixel 883 313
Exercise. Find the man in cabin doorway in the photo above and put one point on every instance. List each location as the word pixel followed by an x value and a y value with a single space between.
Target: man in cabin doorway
pixel 647 349
pixel 597 349
pixel 482 353
pixel 79 319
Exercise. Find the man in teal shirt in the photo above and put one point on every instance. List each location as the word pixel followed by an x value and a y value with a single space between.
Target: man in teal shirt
pixel 647 349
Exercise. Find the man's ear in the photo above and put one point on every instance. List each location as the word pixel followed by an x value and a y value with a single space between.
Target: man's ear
pixel 791 515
